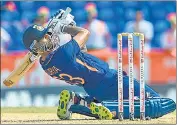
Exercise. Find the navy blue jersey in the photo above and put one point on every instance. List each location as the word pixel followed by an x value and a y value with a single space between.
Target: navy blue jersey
pixel 68 63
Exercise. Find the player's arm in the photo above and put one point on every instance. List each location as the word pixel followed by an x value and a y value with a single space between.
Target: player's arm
pixel 80 35
pixel 70 50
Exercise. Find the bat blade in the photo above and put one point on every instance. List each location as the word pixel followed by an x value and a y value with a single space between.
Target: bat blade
pixel 21 69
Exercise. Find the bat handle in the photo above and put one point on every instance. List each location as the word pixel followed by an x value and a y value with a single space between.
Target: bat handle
pixel 33 57
pixel 67 11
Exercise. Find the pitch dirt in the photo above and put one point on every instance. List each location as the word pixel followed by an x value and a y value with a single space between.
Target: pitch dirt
pixel 48 116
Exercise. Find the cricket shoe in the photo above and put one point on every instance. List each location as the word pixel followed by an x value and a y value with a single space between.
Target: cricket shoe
pixel 65 102
pixel 102 112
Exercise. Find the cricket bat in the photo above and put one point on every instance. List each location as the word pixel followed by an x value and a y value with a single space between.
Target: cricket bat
pixel 21 69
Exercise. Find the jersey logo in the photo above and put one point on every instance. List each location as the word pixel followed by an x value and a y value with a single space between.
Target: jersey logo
pixel 40 28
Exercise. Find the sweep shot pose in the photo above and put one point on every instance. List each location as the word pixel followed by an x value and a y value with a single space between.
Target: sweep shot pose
pixel 71 62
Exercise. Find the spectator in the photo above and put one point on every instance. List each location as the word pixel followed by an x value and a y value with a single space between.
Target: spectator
pixel 168 38
pixel 11 28
pixel 5 40
pixel 99 33
pixel 142 26
pixel 10 6
pixel 42 16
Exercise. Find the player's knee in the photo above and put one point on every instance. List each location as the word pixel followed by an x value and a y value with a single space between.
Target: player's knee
pixel 160 106
pixel 168 105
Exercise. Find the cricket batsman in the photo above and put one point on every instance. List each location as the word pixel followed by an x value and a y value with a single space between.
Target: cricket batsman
pixel 71 62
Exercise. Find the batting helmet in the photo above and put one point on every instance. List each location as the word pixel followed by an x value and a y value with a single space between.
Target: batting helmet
pixel 32 34
pixel 35 40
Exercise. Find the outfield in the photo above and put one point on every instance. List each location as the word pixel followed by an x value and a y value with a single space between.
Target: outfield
pixel 48 116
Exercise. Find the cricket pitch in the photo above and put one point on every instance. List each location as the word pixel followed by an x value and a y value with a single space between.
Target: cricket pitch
pixel 47 115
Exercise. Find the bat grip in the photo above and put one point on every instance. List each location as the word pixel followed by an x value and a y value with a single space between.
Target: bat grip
pixel 68 10
pixel 33 57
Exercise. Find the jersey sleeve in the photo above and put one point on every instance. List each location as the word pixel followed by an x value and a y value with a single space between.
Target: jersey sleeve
pixel 68 51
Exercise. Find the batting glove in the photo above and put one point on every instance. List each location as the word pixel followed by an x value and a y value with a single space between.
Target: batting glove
pixel 68 20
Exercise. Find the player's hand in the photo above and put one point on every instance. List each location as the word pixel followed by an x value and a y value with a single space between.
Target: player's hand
pixel 55 26
pixel 60 19
pixel 68 20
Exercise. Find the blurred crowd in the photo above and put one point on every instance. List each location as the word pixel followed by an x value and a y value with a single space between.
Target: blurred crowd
pixel 157 20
